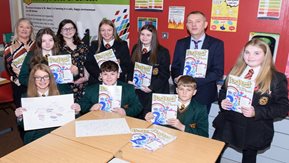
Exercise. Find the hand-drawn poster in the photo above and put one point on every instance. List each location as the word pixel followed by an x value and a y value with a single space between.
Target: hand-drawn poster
pixel 224 15
pixel 196 63
pixel 142 75
pixel 149 5
pixel 141 21
pixel 176 17
pixel 269 9
pixel 46 112
pixel 60 67
pixel 164 107
pixel 109 97
pixel 240 92
pixel 101 127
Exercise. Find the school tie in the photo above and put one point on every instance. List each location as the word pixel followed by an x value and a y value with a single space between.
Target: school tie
pixel 183 107
pixel 249 74
pixel 144 50
pixel 196 43
pixel 107 46
pixel 43 95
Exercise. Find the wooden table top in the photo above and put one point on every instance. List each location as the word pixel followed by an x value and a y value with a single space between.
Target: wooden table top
pixel 111 143
pixel 186 148
pixel 53 148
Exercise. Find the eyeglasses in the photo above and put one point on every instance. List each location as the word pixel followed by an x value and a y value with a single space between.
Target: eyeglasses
pixel 68 29
pixel 39 78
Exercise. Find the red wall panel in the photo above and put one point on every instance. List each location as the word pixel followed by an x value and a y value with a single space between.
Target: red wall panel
pixel 234 41
pixel 5 26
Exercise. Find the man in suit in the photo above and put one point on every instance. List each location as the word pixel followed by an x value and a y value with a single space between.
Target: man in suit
pixel 198 39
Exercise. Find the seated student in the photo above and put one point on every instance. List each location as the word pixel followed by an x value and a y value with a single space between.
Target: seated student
pixel 130 104
pixel 192 116
pixel 41 83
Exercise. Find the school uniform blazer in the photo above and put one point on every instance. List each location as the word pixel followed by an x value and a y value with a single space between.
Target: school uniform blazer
pixel 161 71
pixel 255 132
pixel 207 88
pixel 121 51
pixel 195 119
pixel 25 72
pixel 129 100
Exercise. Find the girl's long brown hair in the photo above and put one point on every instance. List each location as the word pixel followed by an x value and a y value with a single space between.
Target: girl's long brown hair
pixel 32 89
pixel 137 53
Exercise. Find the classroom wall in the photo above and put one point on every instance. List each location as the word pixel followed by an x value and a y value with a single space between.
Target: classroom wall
pixel 234 41
pixel 5 18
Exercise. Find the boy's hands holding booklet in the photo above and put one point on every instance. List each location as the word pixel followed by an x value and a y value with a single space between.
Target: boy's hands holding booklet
pixel 176 123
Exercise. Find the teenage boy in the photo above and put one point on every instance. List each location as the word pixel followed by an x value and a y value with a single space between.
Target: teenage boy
pixel 192 116
pixel 130 104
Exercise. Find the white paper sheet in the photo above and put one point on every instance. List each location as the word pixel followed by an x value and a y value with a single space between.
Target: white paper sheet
pixel 45 112
pixel 101 127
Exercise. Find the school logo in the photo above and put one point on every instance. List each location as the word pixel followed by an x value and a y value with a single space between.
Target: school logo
pixel 155 71
pixel 263 100
pixel 28 2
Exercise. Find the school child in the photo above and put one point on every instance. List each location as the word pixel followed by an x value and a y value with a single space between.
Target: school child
pixel 41 84
pixel 46 45
pixel 252 130
pixel 130 104
pixel 192 116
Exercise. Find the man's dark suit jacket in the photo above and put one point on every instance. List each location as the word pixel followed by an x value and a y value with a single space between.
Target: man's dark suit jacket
pixel 207 88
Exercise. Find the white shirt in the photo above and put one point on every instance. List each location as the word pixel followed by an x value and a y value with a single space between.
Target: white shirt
pixel 200 44
pixel 110 42
pixel 41 94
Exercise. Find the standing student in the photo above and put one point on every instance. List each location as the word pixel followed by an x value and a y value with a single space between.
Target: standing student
pixel 198 39
pixel 252 130
pixel 149 51
pixel 130 104
pixel 71 44
pixel 23 42
pixel 46 45
pixel 41 83
pixel 108 39
pixel 192 116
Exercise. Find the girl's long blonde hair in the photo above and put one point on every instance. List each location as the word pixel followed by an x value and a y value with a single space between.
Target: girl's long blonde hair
pixel 32 88
pixel 263 80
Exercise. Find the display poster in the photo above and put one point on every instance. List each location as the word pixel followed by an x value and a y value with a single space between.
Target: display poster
pixel 176 17
pixel 224 15
pixel 269 9
pixel 85 13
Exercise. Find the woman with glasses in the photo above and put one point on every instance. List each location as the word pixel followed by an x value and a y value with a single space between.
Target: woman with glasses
pixel 41 84
pixel 108 39
pixel 70 43
pixel 22 43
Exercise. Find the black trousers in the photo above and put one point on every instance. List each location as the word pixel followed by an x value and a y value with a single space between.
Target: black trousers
pixel 249 156
pixel 17 93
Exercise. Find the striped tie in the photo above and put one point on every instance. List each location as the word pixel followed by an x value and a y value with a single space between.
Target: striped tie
pixel 249 74
pixel 196 43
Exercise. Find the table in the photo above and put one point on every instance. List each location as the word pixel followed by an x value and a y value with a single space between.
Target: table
pixel 186 148
pixel 111 143
pixel 52 148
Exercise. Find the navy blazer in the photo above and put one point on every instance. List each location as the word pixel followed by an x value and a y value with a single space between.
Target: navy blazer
pixel 207 88
pixel 256 132
pixel 121 51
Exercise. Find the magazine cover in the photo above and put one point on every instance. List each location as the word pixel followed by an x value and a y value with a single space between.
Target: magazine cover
pixel 240 92
pixel 142 75
pixel 150 139
pixel 164 107
pixel 109 97
pixel 196 63
pixel 60 67
pixel 107 55
pixel 17 62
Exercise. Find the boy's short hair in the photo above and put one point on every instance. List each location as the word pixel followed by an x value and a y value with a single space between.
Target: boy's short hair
pixel 109 66
pixel 187 81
